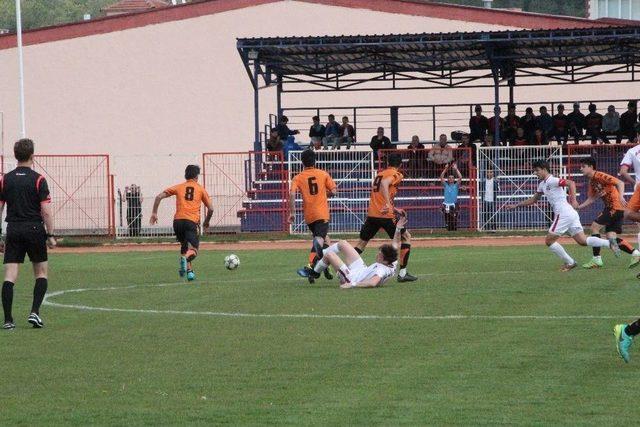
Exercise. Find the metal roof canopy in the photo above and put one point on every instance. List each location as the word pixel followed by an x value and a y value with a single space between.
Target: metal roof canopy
pixel 443 60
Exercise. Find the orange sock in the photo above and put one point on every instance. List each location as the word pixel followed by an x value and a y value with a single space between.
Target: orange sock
pixel 312 257
pixel 191 254
pixel 624 245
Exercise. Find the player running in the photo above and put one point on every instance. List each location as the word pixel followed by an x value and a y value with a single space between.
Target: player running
pixel 611 190
pixel 186 221
pixel 566 218
pixel 353 272
pixel 315 186
pixel 381 214
pixel 624 335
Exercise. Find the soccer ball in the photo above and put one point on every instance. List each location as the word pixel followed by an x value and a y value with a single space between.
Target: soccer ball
pixel 231 262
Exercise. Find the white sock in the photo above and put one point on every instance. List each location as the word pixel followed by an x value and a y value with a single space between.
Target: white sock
pixel 598 257
pixel 557 249
pixel 597 242
pixel 344 273
pixel 403 272
pixel 638 241
pixel 635 252
pixel 320 266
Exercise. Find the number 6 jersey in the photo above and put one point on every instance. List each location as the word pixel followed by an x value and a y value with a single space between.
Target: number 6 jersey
pixel 376 201
pixel 189 196
pixel 313 184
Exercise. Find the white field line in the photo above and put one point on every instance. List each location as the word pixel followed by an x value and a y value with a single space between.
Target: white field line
pixel 47 301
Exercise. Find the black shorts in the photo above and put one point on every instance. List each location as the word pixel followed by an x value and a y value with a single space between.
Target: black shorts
pixel 186 233
pixel 372 225
pixel 611 221
pixel 25 239
pixel 319 228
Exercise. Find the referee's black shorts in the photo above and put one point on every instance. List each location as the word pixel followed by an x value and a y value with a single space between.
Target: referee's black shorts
pixel 372 225
pixel 25 238
pixel 186 233
pixel 612 221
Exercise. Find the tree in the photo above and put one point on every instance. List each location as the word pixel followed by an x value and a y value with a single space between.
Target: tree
pixel 37 14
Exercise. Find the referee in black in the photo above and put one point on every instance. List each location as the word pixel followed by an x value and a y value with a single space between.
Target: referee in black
pixel 29 230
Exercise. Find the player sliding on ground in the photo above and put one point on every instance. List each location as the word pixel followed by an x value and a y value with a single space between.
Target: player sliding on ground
pixel 353 272
pixel 381 214
pixel 631 159
pixel 611 190
pixel 566 218
pixel 189 196
pixel 315 185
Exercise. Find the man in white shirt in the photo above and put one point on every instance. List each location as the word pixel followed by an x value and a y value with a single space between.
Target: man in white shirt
pixel 631 159
pixel 353 272
pixel 489 197
pixel 566 218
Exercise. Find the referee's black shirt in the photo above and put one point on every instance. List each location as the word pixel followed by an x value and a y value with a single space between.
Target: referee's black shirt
pixel 23 190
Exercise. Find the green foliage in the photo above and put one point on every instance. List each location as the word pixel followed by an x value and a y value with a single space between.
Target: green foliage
pixel 41 13
pixel 555 7
pixel 131 368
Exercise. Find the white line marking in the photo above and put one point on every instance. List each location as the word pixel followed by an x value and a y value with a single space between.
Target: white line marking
pixel 300 315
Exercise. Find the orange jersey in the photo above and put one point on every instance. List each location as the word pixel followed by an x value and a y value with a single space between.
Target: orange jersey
pixel 313 184
pixel 376 200
pixel 189 196
pixel 604 185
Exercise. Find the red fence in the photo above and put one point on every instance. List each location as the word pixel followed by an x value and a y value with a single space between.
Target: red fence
pixel 81 189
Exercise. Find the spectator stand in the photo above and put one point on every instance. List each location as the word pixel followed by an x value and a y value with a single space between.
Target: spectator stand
pixel 497 60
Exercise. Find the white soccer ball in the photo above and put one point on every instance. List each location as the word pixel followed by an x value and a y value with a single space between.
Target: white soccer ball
pixel 231 262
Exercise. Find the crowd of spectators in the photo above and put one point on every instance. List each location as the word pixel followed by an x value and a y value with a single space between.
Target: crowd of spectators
pixel 562 128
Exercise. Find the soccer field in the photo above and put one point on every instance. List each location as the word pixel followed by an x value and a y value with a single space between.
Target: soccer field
pixel 486 336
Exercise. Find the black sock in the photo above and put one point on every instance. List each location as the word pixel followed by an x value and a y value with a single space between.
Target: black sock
pixel 596 251
pixel 38 294
pixel 359 250
pixel 405 251
pixel 7 300
pixel 633 329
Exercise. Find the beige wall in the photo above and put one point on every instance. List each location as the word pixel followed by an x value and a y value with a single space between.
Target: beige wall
pixel 180 88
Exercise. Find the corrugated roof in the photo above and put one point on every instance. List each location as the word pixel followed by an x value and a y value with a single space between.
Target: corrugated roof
pixel 132 6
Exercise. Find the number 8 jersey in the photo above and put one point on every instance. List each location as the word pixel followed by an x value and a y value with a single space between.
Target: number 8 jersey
pixel 313 184
pixel 189 196
pixel 377 201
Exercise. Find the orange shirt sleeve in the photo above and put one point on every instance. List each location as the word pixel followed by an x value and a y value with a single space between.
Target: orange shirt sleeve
pixel 294 184
pixel 172 191
pixel 330 184
pixel 206 200
pixel 609 180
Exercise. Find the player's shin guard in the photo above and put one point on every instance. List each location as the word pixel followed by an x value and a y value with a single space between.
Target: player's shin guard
pixel 596 249
pixel 39 290
pixel 359 250
pixel 557 249
pixel 7 300
pixel 333 249
pixel 405 251
pixel 597 242
pixel 624 245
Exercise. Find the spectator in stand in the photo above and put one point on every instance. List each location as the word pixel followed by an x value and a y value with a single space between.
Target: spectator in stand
pixel 380 142
pixel 488 142
pixel 520 139
pixel 451 188
pixel 331 133
pixel 347 133
pixel 478 126
pixel 512 123
pixel 492 127
pixel 417 158
pixel 283 130
pixel 561 126
pixel 274 143
pixel 466 143
pixel 545 125
pixel 528 125
pixel 629 122
pixel 576 122
pixel 593 125
pixel 538 138
pixel 611 125
pixel 316 133
pixel 441 154
pixel 489 194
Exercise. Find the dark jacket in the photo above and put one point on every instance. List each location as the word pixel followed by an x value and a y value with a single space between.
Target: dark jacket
pixel 350 129
pixel 317 132
pixel 284 132
pixel 576 120
pixel 332 129
pixel 381 144
pixel 628 121
pixel 544 122
pixel 478 127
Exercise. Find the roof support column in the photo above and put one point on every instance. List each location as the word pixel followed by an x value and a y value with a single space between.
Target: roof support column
pixel 512 83
pixel 257 146
pixel 496 108
pixel 394 124
pixel 279 97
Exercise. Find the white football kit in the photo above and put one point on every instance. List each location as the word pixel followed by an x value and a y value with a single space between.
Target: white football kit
pixel 566 218
pixel 631 159
pixel 359 272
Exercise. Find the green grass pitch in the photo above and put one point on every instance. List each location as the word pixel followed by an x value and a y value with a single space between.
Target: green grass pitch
pixel 133 368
